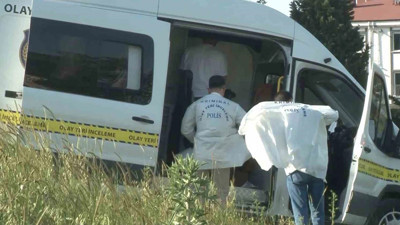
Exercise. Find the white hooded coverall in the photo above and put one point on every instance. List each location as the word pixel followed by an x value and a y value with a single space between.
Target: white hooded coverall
pixel 292 136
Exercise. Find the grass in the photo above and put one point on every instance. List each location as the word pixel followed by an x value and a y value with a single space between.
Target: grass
pixel 40 187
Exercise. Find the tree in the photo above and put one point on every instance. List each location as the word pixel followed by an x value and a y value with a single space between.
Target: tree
pixel 330 22
pixel 262 2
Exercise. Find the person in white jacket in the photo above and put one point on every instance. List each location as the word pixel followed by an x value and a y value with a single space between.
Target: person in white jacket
pixel 211 124
pixel 293 136
pixel 204 61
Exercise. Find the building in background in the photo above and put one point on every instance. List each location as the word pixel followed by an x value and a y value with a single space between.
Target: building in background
pixel 379 23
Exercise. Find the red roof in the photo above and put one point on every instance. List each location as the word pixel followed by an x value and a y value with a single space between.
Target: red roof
pixel 373 10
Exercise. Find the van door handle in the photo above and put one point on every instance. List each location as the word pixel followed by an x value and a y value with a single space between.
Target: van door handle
pixel 367 150
pixel 143 120
pixel 13 94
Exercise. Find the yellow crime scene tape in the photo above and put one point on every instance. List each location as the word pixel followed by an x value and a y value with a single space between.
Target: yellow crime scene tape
pixel 79 129
pixel 378 171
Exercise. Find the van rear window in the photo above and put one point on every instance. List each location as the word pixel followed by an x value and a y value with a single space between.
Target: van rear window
pixel 90 61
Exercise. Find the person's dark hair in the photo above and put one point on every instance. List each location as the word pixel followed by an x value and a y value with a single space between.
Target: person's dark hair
pixel 216 81
pixel 283 96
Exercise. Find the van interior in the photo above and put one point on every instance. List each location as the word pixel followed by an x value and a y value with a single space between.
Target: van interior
pixel 255 69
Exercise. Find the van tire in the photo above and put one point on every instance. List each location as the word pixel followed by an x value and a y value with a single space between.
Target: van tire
pixel 388 209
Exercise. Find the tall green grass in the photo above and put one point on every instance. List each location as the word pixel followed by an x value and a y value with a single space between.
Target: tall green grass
pixel 40 187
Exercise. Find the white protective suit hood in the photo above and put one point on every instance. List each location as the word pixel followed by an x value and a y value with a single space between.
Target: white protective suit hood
pixel 287 135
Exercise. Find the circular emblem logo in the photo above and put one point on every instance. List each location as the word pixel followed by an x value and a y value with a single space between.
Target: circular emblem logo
pixel 23 50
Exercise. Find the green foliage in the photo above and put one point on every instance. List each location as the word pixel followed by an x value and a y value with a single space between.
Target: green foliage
pixel 262 2
pixel 333 201
pixel 330 22
pixel 395 111
pixel 189 192
pixel 40 187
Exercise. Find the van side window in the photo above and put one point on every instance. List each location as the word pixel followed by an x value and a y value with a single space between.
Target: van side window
pixel 379 115
pixel 316 87
pixel 90 61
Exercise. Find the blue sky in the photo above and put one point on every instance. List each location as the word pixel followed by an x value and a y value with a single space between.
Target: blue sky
pixel 280 5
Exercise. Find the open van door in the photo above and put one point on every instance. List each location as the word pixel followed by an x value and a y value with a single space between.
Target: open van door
pixel 14 30
pixel 373 144
pixel 320 85
pixel 320 79
pixel 95 77
pixel 357 172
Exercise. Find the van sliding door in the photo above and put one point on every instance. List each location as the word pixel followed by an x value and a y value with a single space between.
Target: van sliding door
pixel 96 78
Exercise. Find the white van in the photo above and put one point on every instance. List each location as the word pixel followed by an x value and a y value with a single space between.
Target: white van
pixel 105 74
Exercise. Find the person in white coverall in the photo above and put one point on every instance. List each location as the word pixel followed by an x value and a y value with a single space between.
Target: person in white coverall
pixel 211 124
pixel 204 61
pixel 293 136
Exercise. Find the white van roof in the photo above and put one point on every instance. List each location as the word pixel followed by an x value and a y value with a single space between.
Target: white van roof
pixel 146 7
pixel 237 14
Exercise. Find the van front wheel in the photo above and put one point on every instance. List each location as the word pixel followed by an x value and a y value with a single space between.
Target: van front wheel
pixel 387 213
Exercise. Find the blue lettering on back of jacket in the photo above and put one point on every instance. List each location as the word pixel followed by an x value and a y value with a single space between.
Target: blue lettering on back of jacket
pixel 214 115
